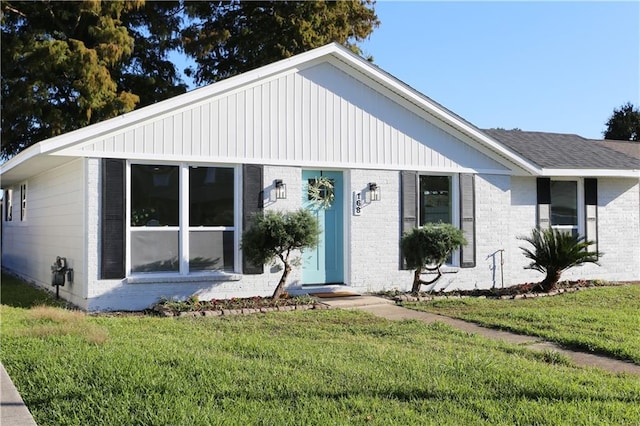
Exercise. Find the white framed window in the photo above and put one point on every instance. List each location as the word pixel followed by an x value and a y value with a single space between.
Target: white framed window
pixel 182 218
pixel 8 205
pixel 565 197
pixel 23 202
pixel 438 202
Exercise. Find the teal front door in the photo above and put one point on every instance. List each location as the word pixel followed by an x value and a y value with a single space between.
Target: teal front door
pixel 324 264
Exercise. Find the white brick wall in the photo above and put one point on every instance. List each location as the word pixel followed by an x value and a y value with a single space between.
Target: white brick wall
pixel 505 209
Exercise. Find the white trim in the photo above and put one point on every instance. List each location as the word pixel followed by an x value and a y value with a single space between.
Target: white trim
pixel 183 219
pixel 575 173
pixel 454 208
pixel 326 165
pixel 581 225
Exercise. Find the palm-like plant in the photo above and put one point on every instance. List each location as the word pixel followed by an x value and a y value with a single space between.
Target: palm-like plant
pixel 554 252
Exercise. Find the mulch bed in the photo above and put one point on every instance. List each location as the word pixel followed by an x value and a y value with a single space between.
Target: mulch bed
pixel 521 291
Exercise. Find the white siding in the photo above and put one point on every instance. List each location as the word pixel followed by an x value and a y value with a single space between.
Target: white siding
pixel 316 116
pixel 54 227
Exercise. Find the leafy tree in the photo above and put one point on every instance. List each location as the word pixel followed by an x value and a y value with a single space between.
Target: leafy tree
pixel 554 252
pixel 228 38
pixel 278 235
pixel 427 248
pixel 624 124
pixel 56 62
pixel 149 72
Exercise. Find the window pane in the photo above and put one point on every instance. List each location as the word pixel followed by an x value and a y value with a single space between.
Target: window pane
pixel 211 196
pixel 435 199
pixel 154 196
pixel 211 250
pixel 564 203
pixel 154 251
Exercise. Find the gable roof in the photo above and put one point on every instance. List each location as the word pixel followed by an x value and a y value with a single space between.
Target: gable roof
pixel 560 153
pixel 61 149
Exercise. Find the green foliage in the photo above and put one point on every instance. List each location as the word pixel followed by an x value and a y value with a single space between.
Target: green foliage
pixel 428 247
pixel 312 367
pixel 555 251
pixel 585 319
pixel 229 38
pixel 624 124
pixel 278 235
pixel 56 63
pixel 321 191
pixel 431 244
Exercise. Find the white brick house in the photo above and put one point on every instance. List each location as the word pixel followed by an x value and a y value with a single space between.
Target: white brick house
pixel 153 203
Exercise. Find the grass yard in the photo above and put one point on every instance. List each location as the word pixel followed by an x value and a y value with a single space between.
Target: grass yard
pixel 601 319
pixel 309 367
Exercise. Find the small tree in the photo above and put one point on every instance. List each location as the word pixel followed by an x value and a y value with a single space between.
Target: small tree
pixel 427 248
pixel 554 252
pixel 278 235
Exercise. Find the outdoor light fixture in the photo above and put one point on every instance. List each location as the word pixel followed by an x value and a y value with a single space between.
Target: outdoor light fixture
pixel 374 192
pixel 281 189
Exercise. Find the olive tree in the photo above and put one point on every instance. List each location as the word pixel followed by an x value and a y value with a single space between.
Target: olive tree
pixel 554 252
pixel 280 235
pixel 426 248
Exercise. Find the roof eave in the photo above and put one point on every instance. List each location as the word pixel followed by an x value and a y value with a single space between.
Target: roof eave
pixel 623 173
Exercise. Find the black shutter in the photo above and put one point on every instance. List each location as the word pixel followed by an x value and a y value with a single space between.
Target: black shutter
pixel 409 205
pixel 591 211
pixel 544 202
pixel 112 250
pixel 467 220
pixel 252 204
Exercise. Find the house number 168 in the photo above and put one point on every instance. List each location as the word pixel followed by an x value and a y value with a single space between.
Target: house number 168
pixel 357 203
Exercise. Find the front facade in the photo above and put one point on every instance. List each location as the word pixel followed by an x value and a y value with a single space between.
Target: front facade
pixel 152 204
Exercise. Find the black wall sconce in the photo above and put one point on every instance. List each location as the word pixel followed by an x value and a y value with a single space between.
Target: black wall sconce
pixel 374 191
pixel 281 189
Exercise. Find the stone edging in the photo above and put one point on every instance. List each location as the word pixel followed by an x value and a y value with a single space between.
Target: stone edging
pixel 230 312
pixel 410 298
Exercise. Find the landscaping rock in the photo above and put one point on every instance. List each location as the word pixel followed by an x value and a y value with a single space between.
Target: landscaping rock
pixel 212 313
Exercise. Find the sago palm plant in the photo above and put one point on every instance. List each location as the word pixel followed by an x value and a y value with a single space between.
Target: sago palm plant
pixel 554 252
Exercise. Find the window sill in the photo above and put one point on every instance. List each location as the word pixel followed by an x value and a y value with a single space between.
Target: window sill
pixel 176 279
pixel 444 270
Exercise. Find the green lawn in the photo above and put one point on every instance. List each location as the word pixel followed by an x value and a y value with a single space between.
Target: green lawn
pixel 602 319
pixel 309 367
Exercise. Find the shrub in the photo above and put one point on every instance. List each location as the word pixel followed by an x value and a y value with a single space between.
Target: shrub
pixel 428 247
pixel 554 252
pixel 280 235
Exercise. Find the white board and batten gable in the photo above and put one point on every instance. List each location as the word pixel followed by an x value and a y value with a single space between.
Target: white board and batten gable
pixel 324 108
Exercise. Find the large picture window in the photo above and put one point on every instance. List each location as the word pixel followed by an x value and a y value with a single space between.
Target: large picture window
pixel 182 212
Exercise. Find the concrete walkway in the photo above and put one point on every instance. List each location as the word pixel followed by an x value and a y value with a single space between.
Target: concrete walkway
pixel 13 411
pixel 386 308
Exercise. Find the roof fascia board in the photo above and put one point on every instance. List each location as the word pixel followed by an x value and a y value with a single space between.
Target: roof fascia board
pixel 591 173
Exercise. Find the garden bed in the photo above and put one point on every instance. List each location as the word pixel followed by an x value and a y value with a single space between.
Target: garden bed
pixel 194 307
pixel 520 291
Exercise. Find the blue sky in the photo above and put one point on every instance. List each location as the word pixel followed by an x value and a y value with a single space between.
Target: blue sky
pixel 544 66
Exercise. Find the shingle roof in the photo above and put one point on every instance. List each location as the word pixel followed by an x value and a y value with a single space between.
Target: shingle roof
pixel 630 148
pixel 563 151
